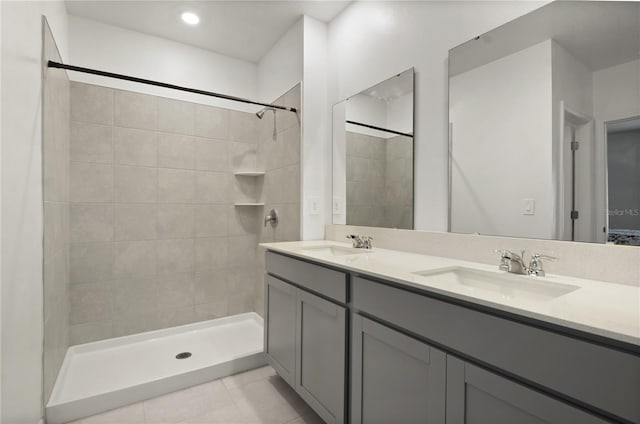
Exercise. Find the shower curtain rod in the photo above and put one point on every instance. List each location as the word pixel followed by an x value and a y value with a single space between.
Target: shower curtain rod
pixel 52 64
pixel 373 127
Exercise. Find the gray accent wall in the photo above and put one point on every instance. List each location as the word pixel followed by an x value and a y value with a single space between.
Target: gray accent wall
pixel 156 240
pixel 55 148
pixel 623 156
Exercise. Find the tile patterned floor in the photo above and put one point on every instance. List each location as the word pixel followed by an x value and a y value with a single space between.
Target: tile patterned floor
pixel 255 397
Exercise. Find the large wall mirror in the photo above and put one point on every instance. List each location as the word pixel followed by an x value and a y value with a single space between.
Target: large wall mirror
pixel 373 155
pixel 544 116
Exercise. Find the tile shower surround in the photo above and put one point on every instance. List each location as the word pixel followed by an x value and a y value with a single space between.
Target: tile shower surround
pixel 156 240
pixel 379 181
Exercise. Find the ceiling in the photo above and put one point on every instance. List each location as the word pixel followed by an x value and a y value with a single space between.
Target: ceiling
pixel 242 29
pixel 598 34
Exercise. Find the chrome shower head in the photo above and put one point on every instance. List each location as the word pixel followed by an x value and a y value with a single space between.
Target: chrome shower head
pixel 260 113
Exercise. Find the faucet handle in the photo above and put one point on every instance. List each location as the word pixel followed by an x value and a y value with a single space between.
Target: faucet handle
pixel 366 242
pixel 355 240
pixel 504 259
pixel 545 257
pixel 535 266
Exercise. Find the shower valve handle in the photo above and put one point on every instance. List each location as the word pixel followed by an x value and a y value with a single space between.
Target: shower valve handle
pixel 272 218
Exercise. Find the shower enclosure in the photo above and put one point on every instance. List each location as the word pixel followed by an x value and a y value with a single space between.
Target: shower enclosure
pixel 154 209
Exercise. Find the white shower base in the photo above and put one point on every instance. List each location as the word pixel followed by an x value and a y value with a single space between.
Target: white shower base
pixel 96 377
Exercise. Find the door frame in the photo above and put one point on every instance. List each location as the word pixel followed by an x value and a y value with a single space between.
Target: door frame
pixel 605 153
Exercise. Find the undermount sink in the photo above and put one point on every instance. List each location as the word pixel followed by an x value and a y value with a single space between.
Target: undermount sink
pixel 334 250
pixel 505 286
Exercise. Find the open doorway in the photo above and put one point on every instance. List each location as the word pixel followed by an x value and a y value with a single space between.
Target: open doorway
pixel 623 175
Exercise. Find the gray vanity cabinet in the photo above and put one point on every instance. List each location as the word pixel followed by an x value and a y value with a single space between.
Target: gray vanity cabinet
pixel 321 355
pixel 306 332
pixel 477 396
pixel 514 370
pixel 280 327
pixel 395 378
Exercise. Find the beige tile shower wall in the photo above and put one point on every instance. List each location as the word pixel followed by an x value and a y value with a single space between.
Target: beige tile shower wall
pixel 615 264
pixel 379 181
pixel 280 158
pixel 156 240
pixel 56 215
pixel 398 195
pixel 366 180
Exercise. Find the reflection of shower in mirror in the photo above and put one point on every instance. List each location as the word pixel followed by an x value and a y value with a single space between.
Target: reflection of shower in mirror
pixel 373 155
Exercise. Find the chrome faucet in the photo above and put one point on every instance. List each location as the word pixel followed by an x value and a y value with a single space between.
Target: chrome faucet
pixel 360 242
pixel 514 263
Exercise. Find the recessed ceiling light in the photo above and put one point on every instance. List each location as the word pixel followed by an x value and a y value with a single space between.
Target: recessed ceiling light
pixel 190 18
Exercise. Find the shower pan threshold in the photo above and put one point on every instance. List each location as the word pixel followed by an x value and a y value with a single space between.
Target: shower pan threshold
pixel 99 376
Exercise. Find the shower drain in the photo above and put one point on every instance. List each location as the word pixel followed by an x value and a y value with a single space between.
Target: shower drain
pixel 183 355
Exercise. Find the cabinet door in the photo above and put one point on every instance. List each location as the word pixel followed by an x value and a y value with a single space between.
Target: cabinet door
pixel 477 396
pixel 395 378
pixel 321 356
pixel 280 327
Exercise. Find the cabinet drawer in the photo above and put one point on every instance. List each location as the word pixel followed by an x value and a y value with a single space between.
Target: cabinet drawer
pixel 325 281
pixel 605 378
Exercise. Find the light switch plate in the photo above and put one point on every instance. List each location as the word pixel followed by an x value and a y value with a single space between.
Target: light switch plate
pixel 528 207
pixel 338 205
pixel 313 205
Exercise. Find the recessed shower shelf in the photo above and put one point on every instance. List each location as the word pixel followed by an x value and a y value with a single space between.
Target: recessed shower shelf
pixel 249 204
pixel 249 173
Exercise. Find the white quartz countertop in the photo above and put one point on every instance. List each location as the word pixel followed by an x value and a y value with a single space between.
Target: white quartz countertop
pixel 605 309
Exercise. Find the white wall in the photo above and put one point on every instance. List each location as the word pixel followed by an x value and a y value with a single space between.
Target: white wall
pixel 0 218
pixel 616 91
pixel 96 45
pixel 396 114
pixel 572 87
pixel 367 110
pixel 400 114
pixel 281 68
pixel 22 203
pixel 572 81
pixel 503 106
pixel 316 146
pixel 300 55
pixel 339 164
pixel 370 41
